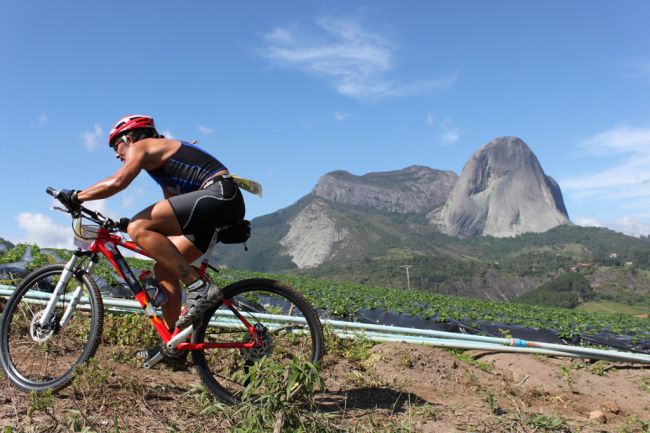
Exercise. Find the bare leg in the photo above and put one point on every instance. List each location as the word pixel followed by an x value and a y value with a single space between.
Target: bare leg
pixel 170 284
pixel 150 229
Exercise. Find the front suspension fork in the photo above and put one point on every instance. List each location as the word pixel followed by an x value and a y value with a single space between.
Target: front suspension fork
pixel 76 295
pixel 68 272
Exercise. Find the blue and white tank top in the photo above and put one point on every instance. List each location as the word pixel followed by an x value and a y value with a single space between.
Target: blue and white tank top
pixel 186 170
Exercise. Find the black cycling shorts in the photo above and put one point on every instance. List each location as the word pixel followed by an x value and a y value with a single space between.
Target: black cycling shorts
pixel 200 212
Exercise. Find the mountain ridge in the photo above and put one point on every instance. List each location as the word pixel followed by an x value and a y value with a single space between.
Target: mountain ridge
pixel 419 189
pixel 365 228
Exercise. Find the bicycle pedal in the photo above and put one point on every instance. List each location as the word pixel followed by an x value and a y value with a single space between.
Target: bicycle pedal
pixel 149 363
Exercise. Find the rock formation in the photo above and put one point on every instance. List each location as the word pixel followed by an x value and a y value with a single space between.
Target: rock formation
pixel 411 190
pixel 502 191
pixel 313 236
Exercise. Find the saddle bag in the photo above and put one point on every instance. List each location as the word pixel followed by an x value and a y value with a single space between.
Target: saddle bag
pixel 237 233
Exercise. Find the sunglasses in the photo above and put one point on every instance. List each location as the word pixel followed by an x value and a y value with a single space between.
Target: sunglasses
pixel 116 143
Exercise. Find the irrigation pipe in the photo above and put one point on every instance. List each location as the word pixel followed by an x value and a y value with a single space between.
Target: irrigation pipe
pixel 393 333
pixel 465 345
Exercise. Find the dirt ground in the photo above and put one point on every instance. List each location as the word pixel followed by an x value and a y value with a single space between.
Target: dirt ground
pixel 389 387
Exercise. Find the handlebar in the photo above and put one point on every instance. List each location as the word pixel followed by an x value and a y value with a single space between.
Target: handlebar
pixel 96 217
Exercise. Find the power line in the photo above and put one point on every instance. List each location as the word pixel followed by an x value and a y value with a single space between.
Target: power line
pixel 40 160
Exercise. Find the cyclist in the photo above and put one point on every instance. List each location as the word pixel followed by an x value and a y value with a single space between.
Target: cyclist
pixel 200 195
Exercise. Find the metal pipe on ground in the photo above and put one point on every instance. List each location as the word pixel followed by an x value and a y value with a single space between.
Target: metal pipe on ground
pixel 393 333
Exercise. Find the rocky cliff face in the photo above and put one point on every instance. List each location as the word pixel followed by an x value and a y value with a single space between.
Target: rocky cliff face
pixel 502 191
pixel 314 236
pixel 411 190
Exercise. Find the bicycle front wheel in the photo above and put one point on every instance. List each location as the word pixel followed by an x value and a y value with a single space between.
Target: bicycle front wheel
pixel 38 358
pixel 288 324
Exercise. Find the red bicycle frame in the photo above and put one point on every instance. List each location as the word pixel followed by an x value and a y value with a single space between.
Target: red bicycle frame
pixel 106 243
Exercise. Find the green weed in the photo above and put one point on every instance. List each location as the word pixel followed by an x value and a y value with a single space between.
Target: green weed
pixel 645 384
pixel 599 368
pixel 76 422
pixel 275 396
pixel 493 404
pixel 119 331
pixel 90 376
pixel 41 402
pixel 273 400
pixel 405 360
pixel 566 373
pixel 634 424
pixel 543 423
pixel 353 349
pixel 467 359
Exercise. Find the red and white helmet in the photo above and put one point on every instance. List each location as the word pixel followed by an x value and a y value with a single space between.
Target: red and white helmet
pixel 131 121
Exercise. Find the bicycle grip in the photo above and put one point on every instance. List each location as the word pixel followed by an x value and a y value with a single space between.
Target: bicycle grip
pixel 51 191
pixel 122 224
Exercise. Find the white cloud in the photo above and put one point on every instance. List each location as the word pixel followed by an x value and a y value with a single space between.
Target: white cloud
pixel 448 132
pixel 102 206
pixel 41 230
pixel 631 226
pixel 589 222
pixel 131 197
pixel 623 183
pixel 451 136
pixel 356 61
pixel 638 71
pixel 41 120
pixel 628 176
pixel 205 130
pixel 168 134
pixel 340 116
pixel 91 138
pixel 620 139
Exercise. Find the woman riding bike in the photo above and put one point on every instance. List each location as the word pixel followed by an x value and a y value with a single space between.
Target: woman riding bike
pixel 200 195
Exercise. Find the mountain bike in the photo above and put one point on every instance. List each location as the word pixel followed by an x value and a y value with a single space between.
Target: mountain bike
pixel 53 320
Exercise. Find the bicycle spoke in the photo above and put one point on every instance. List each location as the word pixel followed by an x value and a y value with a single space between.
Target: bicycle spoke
pixel 42 357
pixel 286 329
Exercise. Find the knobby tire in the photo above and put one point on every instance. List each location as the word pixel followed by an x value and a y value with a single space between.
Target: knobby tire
pixel 17 344
pixel 221 371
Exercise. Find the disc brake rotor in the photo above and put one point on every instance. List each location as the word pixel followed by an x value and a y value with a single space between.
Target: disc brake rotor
pixel 42 334
pixel 264 347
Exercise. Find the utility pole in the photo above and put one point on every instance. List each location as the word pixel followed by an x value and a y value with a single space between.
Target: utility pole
pixel 408 279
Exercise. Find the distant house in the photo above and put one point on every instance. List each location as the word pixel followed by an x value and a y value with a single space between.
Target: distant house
pixel 579 266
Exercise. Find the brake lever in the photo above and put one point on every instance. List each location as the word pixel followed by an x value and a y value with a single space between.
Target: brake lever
pixel 109 224
pixel 61 209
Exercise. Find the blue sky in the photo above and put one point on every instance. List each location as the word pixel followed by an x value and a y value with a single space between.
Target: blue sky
pixel 283 92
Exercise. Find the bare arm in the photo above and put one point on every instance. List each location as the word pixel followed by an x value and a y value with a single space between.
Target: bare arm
pixel 132 166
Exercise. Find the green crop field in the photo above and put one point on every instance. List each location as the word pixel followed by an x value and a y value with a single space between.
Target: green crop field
pixel 342 300
pixel 614 307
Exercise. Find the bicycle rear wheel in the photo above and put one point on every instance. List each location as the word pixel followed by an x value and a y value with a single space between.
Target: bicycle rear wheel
pixel 37 358
pixel 291 327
